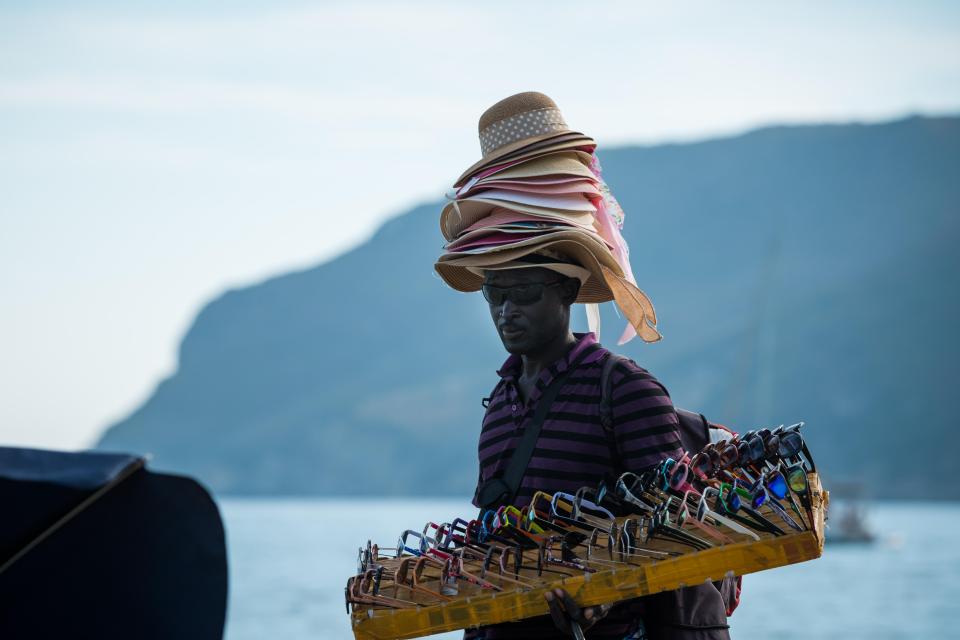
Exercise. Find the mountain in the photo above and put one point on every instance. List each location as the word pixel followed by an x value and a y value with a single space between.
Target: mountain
pixel 800 273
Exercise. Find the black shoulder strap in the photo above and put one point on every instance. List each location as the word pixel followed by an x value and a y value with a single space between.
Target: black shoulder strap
pixel 606 390
pixel 606 407
pixel 503 490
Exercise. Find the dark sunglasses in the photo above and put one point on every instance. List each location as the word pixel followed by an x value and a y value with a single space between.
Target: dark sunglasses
pixel 791 444
pixel 729 455
pixel 520 294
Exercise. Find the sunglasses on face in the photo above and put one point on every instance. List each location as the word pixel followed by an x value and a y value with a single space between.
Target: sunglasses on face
pixel 521 294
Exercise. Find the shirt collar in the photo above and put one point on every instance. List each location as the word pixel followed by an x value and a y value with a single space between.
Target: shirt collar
pixel 511 368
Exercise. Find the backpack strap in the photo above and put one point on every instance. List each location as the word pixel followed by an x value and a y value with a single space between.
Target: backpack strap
pixel 606 407
pixel 693 428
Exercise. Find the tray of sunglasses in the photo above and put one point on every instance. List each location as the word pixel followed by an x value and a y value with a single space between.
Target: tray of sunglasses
pixel 444 582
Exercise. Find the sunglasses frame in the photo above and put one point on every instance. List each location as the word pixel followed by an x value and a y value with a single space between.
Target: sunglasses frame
pixel 511 293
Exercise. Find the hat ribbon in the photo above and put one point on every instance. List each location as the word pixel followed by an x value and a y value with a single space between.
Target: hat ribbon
pixel 610 217
pixel 635 305
pixel 453 201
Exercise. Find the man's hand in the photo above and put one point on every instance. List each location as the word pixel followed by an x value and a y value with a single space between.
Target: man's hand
pixel 569 617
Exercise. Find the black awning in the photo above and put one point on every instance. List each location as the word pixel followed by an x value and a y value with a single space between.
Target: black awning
pixel 95 545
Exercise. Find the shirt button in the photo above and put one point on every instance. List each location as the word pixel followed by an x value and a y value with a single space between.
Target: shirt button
pixel 514 407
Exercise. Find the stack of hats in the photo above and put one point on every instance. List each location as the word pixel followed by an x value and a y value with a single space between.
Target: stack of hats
pixel 536 199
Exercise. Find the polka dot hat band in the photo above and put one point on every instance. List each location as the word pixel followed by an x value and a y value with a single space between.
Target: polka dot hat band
pixel 520 126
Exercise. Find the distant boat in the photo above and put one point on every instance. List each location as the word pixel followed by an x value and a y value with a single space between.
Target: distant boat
pixel 847 522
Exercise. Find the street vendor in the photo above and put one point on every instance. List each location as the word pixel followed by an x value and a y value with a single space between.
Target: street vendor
pixel 534 227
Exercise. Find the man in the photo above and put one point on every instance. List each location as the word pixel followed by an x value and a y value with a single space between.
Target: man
pixel 531 311
pixel 534 226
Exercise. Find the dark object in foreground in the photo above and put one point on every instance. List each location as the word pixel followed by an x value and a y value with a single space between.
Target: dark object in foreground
pixel 94 545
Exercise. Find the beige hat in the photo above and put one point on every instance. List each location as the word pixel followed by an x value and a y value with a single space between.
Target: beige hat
pixel 581 148
pixel 463 272
pixel 558 163
pixel 605 282
pixel 559 265
pixel 518 122
pixel 457 217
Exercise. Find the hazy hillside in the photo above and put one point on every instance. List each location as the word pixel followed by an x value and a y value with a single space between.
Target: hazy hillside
pixel 799 272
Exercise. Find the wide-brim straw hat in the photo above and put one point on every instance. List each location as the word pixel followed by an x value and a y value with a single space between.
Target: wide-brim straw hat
pixel 569 163
pixel 606 280
pixel 520 121
pixel 582 148
pixel 460 271
pixel 482 237
pixel 456 218
pixel 501 216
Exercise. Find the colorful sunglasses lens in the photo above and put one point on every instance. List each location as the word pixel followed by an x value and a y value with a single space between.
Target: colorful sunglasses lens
pixel 777 485
pixel 797 479
pixel 678 476
pixel 758 499
pixel 703 466
pixel 733 502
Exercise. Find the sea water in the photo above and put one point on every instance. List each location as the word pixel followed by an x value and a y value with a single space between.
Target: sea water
pixel 290 559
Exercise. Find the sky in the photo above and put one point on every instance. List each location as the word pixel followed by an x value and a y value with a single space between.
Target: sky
pixel 153 155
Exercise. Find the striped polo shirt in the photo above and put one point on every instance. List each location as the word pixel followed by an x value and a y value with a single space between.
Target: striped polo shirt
pixel 573 450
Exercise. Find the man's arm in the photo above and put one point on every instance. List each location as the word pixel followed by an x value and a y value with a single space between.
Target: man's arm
pixel 645 424
pixel 646 430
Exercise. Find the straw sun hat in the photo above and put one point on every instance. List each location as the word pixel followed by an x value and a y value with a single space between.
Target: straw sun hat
pixel 463 273
pixel 518 123
pixel 526 147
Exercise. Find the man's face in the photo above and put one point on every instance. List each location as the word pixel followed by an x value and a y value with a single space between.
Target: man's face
pixel 530 327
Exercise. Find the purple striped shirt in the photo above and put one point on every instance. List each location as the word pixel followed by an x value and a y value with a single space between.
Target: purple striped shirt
pixel 573 450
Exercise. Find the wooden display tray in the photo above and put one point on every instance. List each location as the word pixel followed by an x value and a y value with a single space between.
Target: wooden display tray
pixel 614 585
